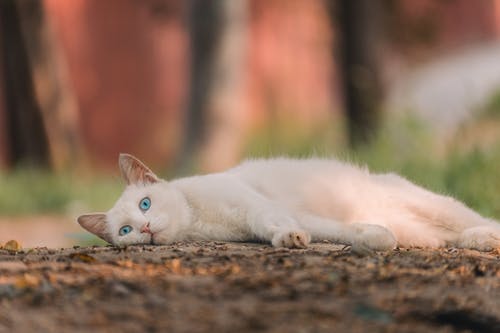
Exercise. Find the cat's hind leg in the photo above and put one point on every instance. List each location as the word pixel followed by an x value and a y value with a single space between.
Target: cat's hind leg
pixel 482 238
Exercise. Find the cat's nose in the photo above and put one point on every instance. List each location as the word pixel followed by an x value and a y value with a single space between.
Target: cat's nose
pixel 145 229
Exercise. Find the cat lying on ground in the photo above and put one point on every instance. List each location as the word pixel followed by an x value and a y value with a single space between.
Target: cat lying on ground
pixel 289 203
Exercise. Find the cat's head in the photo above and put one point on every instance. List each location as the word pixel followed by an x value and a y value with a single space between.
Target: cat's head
pixel 149 211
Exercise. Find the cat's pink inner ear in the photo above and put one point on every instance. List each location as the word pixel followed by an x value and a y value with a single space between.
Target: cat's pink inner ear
pixel 95 224
pixel 135 172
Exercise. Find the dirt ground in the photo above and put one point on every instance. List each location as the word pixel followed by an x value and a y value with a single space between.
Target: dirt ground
pixel 242 287
pixel 41 230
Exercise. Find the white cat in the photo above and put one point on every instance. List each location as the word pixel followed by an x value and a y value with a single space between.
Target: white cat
pixel 288 203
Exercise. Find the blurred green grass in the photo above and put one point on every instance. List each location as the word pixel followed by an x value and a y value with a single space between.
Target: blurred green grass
pixel 466 172
pixel 465 165
pixel 472 175
pixel 31 191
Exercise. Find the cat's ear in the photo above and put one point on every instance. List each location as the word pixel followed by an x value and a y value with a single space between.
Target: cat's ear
pixel 135 172
pixel 96 224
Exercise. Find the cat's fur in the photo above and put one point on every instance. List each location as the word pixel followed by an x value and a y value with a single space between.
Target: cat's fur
pixel 289 202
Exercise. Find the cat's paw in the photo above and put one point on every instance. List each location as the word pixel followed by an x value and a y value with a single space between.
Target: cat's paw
pixel 291 239
pixel 484 238
pixel 372 237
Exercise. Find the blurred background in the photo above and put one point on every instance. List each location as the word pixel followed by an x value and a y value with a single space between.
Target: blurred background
pixel 195 86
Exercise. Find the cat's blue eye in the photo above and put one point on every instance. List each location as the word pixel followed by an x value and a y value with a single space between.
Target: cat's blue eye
pixel 126 229
pixel 145 204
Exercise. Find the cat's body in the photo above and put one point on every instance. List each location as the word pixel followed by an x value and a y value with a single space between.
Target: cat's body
pixel 289 203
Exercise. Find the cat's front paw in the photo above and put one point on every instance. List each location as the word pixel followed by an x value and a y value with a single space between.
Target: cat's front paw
pixel 291 239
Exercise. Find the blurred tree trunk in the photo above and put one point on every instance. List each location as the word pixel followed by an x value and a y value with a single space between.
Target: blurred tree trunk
pixel 42 118
pixel 204 25
pixel 360 29
pixel 26 137
pixel 52 85
pixel 218 39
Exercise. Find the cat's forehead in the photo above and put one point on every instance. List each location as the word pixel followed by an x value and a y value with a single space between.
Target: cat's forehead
pixel 134 193
pixel 128 202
